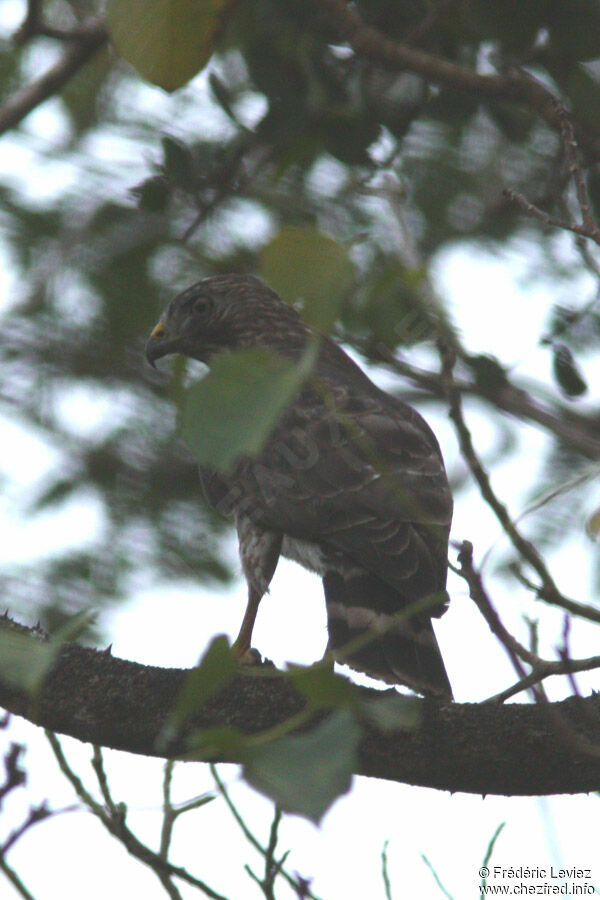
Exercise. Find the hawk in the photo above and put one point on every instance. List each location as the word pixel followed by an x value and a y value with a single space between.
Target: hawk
pixel 350 483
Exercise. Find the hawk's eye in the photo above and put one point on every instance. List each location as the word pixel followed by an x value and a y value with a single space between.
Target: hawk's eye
pixel 202 305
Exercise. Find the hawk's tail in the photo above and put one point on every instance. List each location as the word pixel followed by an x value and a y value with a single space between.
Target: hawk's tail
pixel 406 650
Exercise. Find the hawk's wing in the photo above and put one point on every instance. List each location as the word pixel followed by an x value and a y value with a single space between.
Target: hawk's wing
pixel 365 480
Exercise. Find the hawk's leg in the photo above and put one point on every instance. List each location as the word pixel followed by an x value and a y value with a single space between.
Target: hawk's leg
pixel 243 642
pixel 259 552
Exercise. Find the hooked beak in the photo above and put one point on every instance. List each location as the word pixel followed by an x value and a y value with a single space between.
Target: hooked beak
pixel 160 343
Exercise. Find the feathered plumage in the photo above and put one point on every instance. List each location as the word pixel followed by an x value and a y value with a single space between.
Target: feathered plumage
pixel 351 484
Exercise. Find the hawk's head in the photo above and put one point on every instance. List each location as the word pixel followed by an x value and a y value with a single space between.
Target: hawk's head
pixel 226 312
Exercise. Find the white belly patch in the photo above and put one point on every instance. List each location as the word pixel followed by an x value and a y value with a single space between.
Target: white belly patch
pixel 306 553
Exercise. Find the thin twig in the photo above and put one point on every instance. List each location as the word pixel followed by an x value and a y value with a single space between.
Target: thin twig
pixel 36 814
pixel 436 878
pixel 576 172
pixel 169 816
pixel 295 883
pixel 234 811
pixel 272 866
pixel 114 822
pixel 576 431
pixel 14 879
pixel 543 592
pixel 384 871
pixel 564 653
pixel 587 227
pixel 544 669
pixel 540 668
pixel 15 775
pixel 98 766
pixel 548 589
pixel 535 212
pixel 478 594
pixel 487 857
pixel 514 85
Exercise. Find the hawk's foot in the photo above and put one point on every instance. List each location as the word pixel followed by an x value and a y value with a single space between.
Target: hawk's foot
pixel 247 656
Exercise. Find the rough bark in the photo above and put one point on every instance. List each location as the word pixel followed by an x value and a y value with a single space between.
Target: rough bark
pixel 515 749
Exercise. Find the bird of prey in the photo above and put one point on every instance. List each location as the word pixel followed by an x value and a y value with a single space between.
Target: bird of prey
pixel 350 483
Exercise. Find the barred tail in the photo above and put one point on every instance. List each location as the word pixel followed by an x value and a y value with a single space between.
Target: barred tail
pixel 406 651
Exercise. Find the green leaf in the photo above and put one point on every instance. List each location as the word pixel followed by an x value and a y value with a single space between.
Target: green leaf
pixel 24 659
pixel 321 685
pixel 303 264
pixel 305 773
pixel 80 95
pixel 179 164
pixel 167 41
pixel 584 94
pixel 575 32
pixel 395 310
pixel 393 711
pixel 489 374
pixel 566 372
pixel 153 194
pixel 215 669
pixel 592 525
pixel 55 494
pixel 232 411
pixel 222 742
pixel 515 23
pixel 223 96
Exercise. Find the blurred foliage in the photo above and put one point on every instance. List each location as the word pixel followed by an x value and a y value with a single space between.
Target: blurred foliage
pixel 176 39
pixel 288 156
pixel 233 410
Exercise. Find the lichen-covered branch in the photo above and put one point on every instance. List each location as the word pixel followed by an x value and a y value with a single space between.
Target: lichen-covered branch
pixel 476 748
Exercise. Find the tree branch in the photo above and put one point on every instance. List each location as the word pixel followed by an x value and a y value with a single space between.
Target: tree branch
pixel 587 227
pixel 547 587
pixel 113 818
pixel 540 668
pixel 582 432
pixel 516 85
pixel 79 49
pixel 477 748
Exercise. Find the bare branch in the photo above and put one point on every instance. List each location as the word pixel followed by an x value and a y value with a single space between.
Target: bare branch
pixel 15 775
pixel 576 172
pixel 516 85
pixel 477 592
pixel 79 50
pixel 588 227
pixel 544 669
pixel 540 668
pixel 36 814
pixel 580 432
pixel 548 589
pixel 14 879
pixel 112 817
pixel 552 221
pixel 297 882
